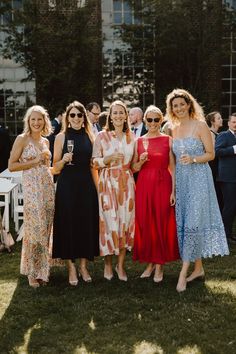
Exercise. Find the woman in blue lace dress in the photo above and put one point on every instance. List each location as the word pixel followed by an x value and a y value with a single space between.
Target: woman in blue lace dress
pixel 199 224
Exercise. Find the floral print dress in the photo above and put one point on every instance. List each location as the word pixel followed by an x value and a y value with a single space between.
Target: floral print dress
pixel 38 194
pixel 115 192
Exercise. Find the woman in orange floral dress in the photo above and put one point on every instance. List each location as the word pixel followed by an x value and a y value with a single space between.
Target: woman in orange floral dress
pixel 31 154
pixel 112 154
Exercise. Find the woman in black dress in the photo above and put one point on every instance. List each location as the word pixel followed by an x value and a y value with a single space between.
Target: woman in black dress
pixel 76 208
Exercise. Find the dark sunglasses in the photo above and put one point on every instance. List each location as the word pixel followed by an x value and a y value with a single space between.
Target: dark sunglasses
pixel 96 114
pixel 79 115
pixel 150 120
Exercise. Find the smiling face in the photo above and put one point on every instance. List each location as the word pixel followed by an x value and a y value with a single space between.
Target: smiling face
pixel 75 118
pixel 180 108
pixel 153 122
pixel 118 116
pixel 36 122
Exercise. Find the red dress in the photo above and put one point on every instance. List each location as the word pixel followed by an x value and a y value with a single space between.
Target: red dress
pixel 155 238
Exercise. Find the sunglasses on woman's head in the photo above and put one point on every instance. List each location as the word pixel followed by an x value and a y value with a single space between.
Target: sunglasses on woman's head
pixel 79 115
pixel 150 120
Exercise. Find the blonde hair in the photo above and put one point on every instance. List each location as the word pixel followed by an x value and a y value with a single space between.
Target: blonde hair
pixel 195 110
pixel 109 125
pixel 47 129
pixel 153 109
pixel 87 125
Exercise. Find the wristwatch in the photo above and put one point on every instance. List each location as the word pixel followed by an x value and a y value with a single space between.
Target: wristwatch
pixel 194 160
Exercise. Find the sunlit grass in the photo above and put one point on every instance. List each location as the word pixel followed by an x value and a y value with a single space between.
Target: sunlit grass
pixel 147 348
pixel 221 287
pixel 6 293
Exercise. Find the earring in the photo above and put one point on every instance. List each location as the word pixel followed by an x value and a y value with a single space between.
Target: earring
pixel 83 124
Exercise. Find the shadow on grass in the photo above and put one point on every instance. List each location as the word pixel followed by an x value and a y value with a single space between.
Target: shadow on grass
pixel 115 317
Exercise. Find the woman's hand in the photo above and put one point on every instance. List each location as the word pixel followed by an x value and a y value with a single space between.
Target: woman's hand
pixel 116 157
pixel 143 157
pixel 172 199
pixel 67 157
pixel 46 154
pixel 186 159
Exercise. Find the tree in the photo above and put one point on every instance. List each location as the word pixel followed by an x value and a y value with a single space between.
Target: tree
pixel 58 47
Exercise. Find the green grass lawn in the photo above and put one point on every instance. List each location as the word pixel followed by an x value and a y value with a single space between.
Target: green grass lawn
pixel 116 317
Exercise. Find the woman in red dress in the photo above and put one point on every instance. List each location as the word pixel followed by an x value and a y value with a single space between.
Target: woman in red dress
pixel 155 239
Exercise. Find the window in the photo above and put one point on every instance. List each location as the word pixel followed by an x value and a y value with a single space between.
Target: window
pixel 122 12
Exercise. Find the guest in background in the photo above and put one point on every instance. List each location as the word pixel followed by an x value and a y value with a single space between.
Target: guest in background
pixel 136 121
pixel 199 224
pixel 93 111
pixel 102 119
pixel 5 148
pixel 226 152
pixel 112 154
pixel 56 128
pixel 215 122
pixel 75 231
pixel 155 240
pixel 30 153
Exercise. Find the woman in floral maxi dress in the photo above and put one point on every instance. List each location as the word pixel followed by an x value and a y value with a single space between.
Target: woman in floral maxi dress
pixel 31 154
pixel 112 154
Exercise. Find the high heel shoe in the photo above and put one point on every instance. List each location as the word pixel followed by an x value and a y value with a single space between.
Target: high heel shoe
pixel 85 275
pixel 158 278
pixel 72 274
pixel 121 277
pixel 33 282
pixel 146 273
pixel 108 275
pixel 198 276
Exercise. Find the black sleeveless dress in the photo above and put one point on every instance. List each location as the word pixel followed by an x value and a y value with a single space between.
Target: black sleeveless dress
pixel 76 219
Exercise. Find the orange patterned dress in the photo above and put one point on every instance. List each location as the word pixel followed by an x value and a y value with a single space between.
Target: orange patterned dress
pixel 38 194
pixel 116 193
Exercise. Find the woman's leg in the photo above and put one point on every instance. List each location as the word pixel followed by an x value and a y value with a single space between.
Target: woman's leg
pixel 83 270
pixel 182 282
pixel 198 272
pixel 73 279
pixel 158 276
pixel 108 273
pixel 120 265
pixel 148 271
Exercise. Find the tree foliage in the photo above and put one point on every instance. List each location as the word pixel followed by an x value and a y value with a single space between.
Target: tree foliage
pixel 57 47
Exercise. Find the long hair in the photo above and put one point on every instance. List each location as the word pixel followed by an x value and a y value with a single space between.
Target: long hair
pixel 47 129
pixel 87 125
pixel 109 125
pixel 195 110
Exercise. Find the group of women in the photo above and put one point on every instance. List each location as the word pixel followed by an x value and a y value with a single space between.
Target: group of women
pixel 172 211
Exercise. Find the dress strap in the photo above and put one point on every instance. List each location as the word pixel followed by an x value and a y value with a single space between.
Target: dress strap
pixel 193 130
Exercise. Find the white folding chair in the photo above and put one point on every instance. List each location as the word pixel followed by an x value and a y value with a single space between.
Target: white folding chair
pixel 18 209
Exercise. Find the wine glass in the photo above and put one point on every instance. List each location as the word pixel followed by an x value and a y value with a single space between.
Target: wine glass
pixel 182 149
pixel 145 144
pixel 70 148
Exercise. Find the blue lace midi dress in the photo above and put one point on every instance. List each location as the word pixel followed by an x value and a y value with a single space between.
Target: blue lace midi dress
pixel 199 224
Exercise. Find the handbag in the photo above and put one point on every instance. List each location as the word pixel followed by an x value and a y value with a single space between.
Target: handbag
pixel 7 240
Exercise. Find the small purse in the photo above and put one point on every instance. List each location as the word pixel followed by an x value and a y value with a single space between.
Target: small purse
pixel 7 240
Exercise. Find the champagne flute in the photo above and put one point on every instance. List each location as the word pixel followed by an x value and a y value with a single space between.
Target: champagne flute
pixel 182 149
pixel 70 148
pixel 145 144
